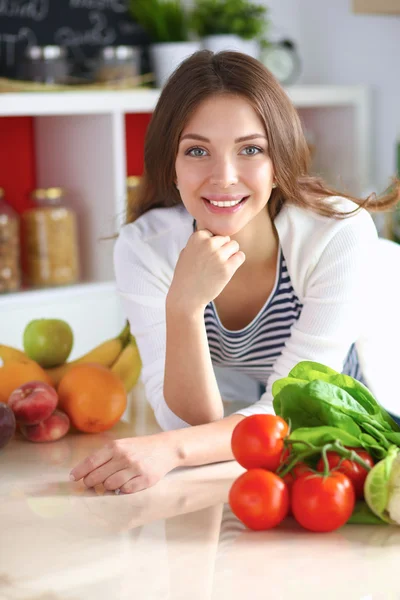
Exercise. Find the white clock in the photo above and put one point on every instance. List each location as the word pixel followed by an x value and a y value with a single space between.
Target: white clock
pixel 282 60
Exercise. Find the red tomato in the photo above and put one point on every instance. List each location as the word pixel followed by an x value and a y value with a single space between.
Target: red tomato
pixel 301 468
pixel 355 472
pixel 322 503
pixel 259 498
pixel 257 441
pixel 288 479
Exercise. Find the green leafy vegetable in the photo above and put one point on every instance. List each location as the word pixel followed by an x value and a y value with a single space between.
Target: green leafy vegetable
pixel 363 515
pixel 382 487
pixel 314 396
pixel 319 436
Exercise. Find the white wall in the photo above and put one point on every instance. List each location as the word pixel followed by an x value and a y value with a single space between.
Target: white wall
pixel 339 47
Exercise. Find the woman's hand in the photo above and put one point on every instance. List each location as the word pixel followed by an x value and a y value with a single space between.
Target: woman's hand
pixel 204 268
pixel 128 465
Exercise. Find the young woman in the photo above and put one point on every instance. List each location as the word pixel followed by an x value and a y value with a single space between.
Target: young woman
pixel 234 256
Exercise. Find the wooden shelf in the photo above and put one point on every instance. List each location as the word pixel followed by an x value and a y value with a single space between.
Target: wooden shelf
pixel 144 100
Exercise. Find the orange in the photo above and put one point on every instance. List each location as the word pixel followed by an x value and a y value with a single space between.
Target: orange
pixel 93 397
pixel 15 373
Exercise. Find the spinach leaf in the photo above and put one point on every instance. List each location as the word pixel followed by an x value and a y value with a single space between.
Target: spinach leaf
pixel 279 384
pixel 310 371
pixel 394 437
pixel 370 444
pixel 319 436
pixel 363 515
pixel 317 403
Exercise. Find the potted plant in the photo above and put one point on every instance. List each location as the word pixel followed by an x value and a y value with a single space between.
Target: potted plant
pixel 230 25
pixel 167 24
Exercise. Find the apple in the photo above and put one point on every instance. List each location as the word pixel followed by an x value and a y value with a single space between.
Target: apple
pixel 33 402
pixel 51 429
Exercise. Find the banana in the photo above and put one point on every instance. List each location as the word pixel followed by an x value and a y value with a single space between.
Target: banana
pixel 128 365
pixel 10 354
pixel 104 354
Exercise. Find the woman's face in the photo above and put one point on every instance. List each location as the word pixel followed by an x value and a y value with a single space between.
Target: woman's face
pixel 223 158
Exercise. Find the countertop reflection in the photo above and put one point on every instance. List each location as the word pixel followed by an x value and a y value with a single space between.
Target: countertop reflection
pixel 176 540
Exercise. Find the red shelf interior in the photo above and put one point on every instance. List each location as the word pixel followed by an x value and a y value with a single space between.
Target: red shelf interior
pixel 17 160
pixel 135 128
pixel 17 155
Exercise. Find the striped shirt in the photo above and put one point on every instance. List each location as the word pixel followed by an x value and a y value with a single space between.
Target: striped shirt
pixel 254 349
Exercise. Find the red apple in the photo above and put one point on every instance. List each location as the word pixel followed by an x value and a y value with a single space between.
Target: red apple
pixel 50 430
pixel 33 402
pixel 7 424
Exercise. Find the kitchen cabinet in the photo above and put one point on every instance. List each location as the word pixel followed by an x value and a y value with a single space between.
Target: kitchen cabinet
pixel 380 7
pixel 88 142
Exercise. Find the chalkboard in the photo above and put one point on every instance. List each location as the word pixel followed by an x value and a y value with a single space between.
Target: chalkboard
pixel 83 26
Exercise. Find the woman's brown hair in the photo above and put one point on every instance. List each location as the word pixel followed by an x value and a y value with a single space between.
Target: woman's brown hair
pixel 204 74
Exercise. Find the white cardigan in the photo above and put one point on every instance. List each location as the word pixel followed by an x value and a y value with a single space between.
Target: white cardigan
pixel 340 271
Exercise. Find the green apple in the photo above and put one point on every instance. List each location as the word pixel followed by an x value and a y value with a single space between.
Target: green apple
pixel 48 341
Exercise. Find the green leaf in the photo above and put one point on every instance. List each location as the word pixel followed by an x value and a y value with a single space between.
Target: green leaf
pixel 363 515
pixel 317 403
pixel 319 436
pixel 279 384
pixel 309 370
pixel 240 17
pixel 163 20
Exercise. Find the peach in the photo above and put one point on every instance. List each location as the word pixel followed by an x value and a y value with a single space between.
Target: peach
pixel 33 402
pixel 49 430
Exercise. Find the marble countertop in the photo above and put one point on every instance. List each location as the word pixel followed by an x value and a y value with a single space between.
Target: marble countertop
pixel 175 541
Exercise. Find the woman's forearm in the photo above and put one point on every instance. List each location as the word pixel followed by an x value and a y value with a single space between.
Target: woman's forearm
pixel 190 387
pixel 204 444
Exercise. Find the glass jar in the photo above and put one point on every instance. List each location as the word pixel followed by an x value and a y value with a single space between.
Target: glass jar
pixel 45 64
pixel 10 272
pixel 132 184
pixel 50 238
pixel 118 64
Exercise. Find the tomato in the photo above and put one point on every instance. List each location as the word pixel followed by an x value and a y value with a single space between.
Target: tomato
pixel 259 498
pixel 322 503
pixel 355 472
pixel 288 479
pixel 257 441
pixel 301 468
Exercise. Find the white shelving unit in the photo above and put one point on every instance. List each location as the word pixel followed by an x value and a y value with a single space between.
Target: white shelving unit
pixel 80 144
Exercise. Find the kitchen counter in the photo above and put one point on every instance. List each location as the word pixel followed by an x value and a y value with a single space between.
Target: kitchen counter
pixel 176 540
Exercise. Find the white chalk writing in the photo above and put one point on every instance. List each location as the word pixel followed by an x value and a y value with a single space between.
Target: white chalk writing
pixel 118 6
pixel 100 34
pixel 8 42
pixel 37 10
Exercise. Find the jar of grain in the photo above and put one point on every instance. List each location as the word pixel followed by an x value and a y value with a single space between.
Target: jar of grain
pixel 132 184
pixel 50 237
pixel 10 273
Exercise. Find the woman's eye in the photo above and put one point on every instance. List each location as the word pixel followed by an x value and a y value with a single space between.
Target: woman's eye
pixel 252 150
pixel 196 152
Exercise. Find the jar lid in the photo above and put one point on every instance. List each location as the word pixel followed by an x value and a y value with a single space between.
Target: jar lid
pixel 45 52
pixel 54 193
pixel 119 52
pixel 133 180
pixel 39 194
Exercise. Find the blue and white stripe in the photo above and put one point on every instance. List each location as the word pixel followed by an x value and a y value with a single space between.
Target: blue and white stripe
pixel 254 349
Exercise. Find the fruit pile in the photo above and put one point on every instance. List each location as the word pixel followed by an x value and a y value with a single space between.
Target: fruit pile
pixel 42 394
pixel 320 494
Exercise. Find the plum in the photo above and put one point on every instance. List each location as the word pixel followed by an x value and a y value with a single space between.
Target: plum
pixel 51 429
pixel 33 402
pixel 7 424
